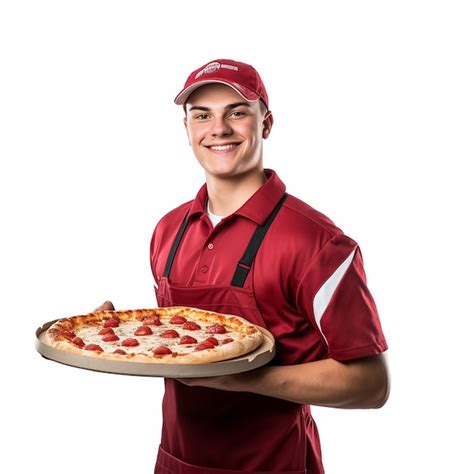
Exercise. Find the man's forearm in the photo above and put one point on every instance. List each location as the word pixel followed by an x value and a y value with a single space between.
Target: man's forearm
pixel 357 384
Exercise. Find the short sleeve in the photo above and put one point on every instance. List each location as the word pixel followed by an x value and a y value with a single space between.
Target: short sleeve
pixel 154 245
pixel 333 293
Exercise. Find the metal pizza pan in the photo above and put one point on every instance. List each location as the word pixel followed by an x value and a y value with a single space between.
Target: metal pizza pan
pixel 257 358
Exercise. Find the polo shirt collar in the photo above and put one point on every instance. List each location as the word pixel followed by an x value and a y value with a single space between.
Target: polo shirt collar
pixel 257 208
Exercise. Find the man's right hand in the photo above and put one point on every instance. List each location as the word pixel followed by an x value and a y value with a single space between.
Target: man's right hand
pixel 107 306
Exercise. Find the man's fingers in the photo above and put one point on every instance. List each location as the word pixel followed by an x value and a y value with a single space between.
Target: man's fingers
pixel 106 306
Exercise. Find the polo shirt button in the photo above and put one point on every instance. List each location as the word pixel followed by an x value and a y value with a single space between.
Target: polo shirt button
pixel 210 246
pixel 204 269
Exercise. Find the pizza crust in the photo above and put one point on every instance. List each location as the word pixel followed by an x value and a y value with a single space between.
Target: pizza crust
pixel 247 337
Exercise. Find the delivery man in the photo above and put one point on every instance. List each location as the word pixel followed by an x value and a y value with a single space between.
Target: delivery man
pixel 244 246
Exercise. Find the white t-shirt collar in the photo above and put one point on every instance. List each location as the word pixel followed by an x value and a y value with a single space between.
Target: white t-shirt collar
pixel 212 217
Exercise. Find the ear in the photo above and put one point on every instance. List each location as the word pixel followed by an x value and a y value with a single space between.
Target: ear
pixel 185 121
pixel 267 124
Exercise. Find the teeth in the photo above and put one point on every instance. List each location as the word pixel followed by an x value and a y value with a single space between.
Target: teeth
pixel 223 147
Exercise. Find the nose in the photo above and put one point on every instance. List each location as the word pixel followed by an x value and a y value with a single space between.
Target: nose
pixel 220 127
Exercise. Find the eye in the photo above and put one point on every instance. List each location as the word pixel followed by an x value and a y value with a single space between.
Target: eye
pixel 238 114
pixel 201 117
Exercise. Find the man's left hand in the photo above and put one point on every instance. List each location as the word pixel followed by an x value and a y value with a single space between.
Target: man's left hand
pixel 243 382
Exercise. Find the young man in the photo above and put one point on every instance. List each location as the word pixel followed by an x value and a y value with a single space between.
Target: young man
pixel 299 276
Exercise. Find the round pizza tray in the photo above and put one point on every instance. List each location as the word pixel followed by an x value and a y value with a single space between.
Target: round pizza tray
pixel 257 358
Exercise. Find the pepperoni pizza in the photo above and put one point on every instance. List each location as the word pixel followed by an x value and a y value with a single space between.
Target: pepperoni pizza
pixel 174 335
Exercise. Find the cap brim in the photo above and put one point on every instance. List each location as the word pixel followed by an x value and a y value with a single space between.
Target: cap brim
pixel 185 93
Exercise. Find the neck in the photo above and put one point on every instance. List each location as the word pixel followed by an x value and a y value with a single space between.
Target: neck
pixel 229 194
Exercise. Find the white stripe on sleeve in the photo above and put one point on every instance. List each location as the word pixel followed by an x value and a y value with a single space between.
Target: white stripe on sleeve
pixel 324 294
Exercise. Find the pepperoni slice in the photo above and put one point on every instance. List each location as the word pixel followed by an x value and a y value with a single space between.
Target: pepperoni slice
pixel 110 338
pixel 169 333
pixel 216 329
pixel 152 321
pixel 111 323
pixel 143 331
pixel 212 340
pixel 119 351
pixel 227 340
pixel 162 350
pixel 187 340
pixel 130 342
pixel 78 342
pixel 191 326
pixel 93 347
pixel 204 345
pixel 177 320
pixel 105 331
pixel 69 335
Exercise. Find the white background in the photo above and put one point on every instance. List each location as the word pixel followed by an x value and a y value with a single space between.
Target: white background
pixel 373 105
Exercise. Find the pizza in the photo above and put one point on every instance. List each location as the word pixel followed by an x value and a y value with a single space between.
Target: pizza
pixel 173 335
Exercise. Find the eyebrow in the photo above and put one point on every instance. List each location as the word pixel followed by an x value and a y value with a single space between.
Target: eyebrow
pixel 230 106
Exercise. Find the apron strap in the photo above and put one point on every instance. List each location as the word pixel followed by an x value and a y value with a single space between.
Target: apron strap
pixel 245 263
pixel 174 247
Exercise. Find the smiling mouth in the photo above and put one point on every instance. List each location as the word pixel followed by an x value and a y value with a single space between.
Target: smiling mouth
pixel 227 147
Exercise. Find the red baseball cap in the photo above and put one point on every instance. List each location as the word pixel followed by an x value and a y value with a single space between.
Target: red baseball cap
pixel 242 77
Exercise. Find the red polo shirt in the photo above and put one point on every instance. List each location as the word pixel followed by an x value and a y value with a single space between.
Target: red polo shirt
pixel 307 276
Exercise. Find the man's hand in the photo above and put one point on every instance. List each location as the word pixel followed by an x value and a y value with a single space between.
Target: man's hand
pixel 107 306
pixel 243 382
pixel 361 383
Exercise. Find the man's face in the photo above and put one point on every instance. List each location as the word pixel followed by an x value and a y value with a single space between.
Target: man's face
pixel 225 131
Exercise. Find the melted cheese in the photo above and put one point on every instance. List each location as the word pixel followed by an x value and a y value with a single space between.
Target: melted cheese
pixel 146 343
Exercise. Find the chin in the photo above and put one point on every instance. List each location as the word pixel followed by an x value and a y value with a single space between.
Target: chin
pixel 222 172
pixel 219 169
